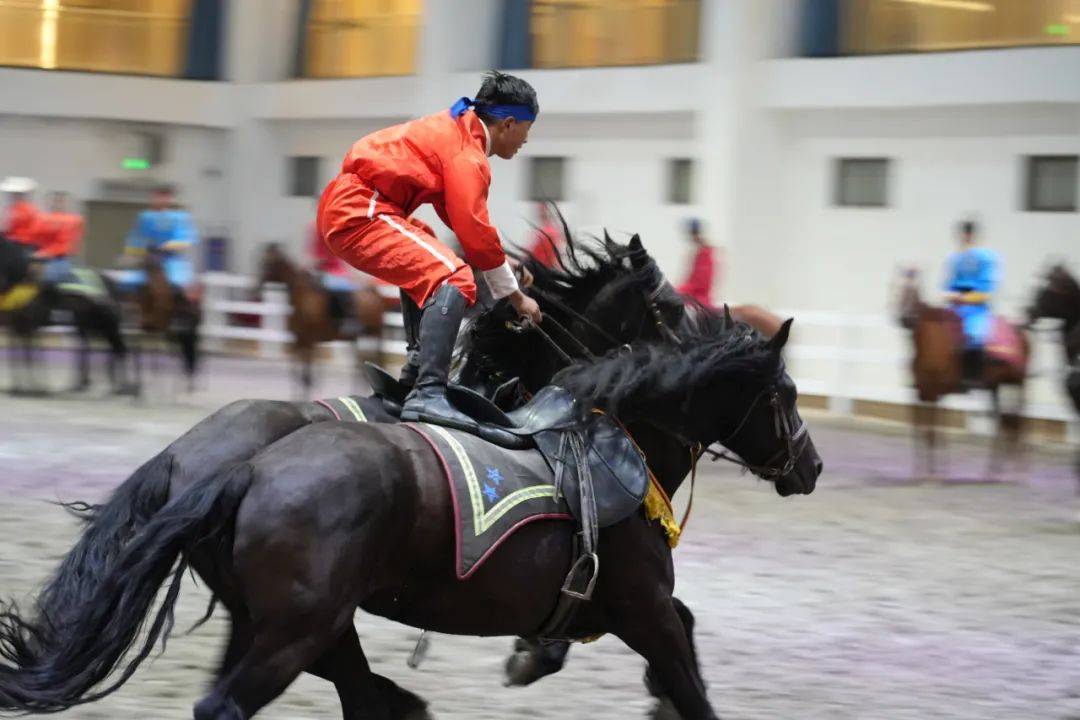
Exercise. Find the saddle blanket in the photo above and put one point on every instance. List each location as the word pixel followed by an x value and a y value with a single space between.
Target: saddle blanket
pixel 1004 344
pixel 495 492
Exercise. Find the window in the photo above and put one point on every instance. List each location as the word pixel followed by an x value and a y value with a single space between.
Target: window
pixel 881 26
pixel 862 182
pixel 1051 183
pixel 358 38
pixel 303 176
pixel 141 37
pixel 680 173
pixel 547 179
pixel 586 33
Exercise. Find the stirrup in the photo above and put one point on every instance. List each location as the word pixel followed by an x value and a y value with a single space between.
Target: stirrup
pixel 572 575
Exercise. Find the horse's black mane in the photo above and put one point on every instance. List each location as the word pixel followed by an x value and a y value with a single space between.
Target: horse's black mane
pixel 662 372
pixel 582 265
pixel 1067 277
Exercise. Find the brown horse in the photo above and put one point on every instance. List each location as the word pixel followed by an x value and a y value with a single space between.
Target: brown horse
pixel 313 320
pixel 167 314
pixel 937 369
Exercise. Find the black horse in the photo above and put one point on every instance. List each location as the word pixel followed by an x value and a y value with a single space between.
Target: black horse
pixel 490 355
pixel 93 314
pixel 1059 298
pixel 344 515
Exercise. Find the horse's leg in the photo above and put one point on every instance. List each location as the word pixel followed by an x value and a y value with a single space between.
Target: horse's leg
pixel 656 632
pixel 240 639
pixel 276 657
pixel 999 433
pixel 29 360
pixel 363 694
pixel 307 371
pixel 651 681
pixel 82 359
pixel 13 360
pixel 931 439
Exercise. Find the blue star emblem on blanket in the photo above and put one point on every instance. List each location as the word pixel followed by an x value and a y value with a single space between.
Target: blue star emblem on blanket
pixel 491 487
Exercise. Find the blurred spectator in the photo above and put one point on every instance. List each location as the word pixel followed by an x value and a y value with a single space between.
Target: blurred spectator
pixel 547 240
pixel 699 281
pixel 58 236
pixel 167 232
pixel 21 214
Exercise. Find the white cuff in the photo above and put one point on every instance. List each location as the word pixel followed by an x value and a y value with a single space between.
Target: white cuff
pixel 501 281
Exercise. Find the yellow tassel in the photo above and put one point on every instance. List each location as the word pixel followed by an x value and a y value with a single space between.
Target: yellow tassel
pixel 18 297
pixel 658 507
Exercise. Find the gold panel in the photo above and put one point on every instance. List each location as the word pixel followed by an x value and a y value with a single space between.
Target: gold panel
pixel 589 33
pixel 141 37
pixel 362 38
pixel 882 26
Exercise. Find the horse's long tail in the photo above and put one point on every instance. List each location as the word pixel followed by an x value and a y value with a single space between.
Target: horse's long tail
pixel 57 660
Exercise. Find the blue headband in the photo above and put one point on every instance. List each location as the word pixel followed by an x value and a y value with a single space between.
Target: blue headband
pixel 520 113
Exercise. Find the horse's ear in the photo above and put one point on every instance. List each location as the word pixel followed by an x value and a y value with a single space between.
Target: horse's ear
pixel 779 340
pixel 635 243
pixel 729 322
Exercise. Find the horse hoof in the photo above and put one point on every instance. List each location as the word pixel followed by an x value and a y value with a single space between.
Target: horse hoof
pixel 664 710
pixel 526 667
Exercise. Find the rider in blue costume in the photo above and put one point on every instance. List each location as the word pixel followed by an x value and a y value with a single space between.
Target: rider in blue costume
pixel 168 232
pixel 973 275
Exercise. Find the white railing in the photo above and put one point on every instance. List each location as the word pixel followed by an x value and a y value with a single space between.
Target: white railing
pixel 845 357
pixel 226 295
pixel 850 357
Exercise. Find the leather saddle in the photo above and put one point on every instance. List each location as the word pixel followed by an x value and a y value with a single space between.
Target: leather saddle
pixel 612 462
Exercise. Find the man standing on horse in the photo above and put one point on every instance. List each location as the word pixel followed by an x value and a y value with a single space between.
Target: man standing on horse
pixel 58 237
pixel 972 276
pixel 21 215
pixel 441 159
pixel 167 232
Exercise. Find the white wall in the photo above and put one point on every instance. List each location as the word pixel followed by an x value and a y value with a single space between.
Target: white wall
pixel 76 155
pixel 947 164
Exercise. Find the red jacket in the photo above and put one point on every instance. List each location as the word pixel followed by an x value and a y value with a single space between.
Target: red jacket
pixel 699 282
pixel 438 160
pixel 58 234
pixel 19 222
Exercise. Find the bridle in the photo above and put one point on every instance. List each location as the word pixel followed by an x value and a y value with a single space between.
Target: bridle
pixel 793 436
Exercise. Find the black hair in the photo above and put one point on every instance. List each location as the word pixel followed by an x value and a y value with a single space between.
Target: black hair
pixel 502 89
pixel 969 227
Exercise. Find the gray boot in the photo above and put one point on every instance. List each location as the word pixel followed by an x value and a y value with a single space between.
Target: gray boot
pixel 438 330
pixel 410 315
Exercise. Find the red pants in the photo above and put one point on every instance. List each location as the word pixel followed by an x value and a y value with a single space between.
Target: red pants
pixel 375 237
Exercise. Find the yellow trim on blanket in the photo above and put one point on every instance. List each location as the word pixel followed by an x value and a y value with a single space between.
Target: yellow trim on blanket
pixel 352 406
pixel 483 521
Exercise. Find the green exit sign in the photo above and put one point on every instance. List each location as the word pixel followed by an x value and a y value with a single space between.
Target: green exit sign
pixel 135 164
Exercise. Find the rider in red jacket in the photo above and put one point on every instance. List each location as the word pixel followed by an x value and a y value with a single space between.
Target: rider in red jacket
pixel 442 160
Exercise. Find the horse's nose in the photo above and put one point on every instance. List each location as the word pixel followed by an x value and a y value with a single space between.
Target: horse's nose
pixel 818 467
